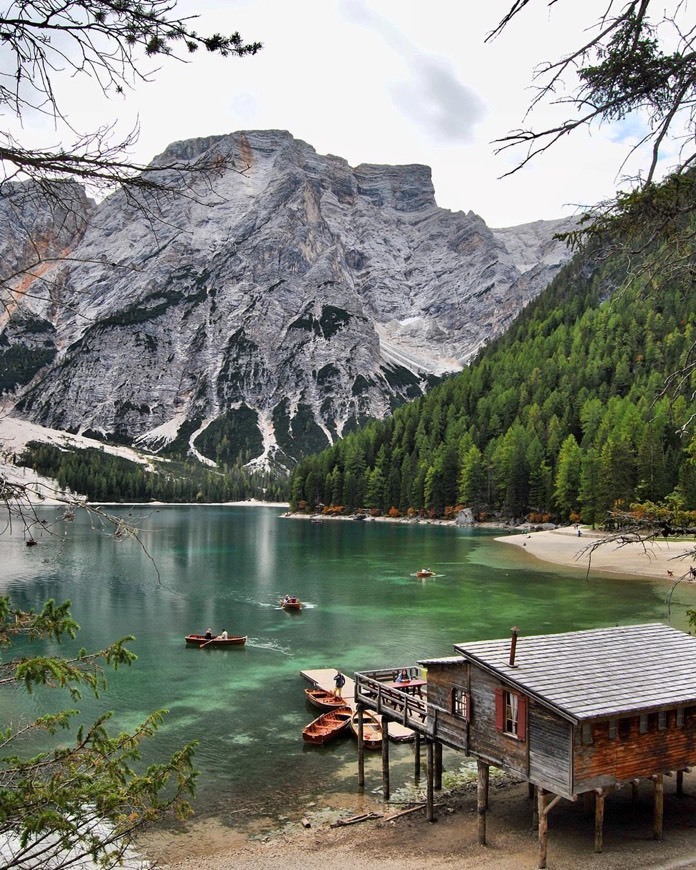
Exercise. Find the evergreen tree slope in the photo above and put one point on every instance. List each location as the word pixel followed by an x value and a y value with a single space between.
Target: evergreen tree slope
pixel 568 415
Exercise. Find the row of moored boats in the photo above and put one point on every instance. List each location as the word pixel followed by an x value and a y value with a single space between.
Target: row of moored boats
pixel 338 719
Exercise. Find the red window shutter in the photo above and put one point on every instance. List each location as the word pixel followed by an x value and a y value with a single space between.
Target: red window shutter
pixel 499 710
pixel 522 717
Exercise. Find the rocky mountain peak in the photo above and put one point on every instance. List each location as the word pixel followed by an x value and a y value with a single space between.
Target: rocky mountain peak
pixel 283 299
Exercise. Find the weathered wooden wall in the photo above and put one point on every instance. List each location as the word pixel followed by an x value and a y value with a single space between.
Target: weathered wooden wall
pixel 550 750
pixel 449 729
pixel 632 754
pixel 484 738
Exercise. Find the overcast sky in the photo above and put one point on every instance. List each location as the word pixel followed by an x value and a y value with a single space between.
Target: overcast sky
pixel 384 81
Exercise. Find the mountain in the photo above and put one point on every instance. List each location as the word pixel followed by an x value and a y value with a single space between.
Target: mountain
pixel 275 305
pixel 585 406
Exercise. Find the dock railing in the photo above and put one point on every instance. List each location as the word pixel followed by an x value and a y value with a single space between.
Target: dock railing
pixel 399 705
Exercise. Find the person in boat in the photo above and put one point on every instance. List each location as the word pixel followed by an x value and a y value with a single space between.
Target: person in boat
pixel 340 681
pixel 224 635
pixel 208 634
pixel 403 677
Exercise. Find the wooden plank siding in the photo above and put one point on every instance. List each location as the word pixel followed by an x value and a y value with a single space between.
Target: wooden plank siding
pixel 550 750
pixel 485 740
pixel 630 754
pixel 446 727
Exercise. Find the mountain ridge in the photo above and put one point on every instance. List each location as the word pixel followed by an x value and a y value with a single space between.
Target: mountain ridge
pixel 272 308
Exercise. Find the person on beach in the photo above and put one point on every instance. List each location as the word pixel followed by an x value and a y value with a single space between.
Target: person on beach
pixel 340 681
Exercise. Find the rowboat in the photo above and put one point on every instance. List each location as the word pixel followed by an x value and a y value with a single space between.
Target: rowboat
pixel 323 699
pixel 200 640
pixel 291 602
pixel 328 726
pixel 372 729
pixel 425 572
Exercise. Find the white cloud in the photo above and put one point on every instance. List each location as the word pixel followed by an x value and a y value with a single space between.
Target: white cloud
pixel 439 103
pixel 394 81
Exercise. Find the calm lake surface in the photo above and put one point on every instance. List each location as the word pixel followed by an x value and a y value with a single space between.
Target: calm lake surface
pixel 227 567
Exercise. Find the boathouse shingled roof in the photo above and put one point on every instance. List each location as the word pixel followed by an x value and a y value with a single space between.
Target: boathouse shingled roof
pixel 599 673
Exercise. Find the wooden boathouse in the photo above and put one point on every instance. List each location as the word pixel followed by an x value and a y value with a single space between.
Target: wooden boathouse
pixel 578 713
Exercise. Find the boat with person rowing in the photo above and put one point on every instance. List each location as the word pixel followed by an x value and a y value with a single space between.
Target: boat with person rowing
pixel 290 602
pixel 328 726
pixel 323 699
pixel 425 572
pixel 201 641
pixel 372 729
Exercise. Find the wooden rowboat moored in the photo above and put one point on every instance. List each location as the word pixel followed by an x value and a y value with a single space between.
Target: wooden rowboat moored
pixel 323 699
pixel 372 729
pixel 328 726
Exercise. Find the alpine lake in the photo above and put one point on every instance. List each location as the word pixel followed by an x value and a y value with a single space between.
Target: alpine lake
pixel 227 567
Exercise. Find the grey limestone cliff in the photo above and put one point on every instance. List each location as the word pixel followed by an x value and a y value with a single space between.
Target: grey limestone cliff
pixel 282 299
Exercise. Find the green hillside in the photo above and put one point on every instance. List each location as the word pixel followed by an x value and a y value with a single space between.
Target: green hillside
pixel 570 414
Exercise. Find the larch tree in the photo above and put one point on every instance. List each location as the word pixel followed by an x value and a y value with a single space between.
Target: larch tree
pixel 636 61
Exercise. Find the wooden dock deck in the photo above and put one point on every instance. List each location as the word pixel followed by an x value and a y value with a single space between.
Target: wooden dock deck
pixel 323 678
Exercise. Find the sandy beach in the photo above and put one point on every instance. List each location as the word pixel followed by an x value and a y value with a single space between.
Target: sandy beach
pixel 668 560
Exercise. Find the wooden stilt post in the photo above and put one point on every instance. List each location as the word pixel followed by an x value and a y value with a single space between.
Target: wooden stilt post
pixel 659 806
pixel 482 800
pixel 535 807
pixel 634 790
pixel 545 808
pixel 429 803
pixel 543 826
pixel 361 749
pixel 438 766
pixel 680 783
pixel 385 758
pixel 417 758
pixel 599 820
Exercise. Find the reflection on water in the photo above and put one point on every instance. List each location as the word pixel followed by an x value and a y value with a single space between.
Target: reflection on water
pixel 227 567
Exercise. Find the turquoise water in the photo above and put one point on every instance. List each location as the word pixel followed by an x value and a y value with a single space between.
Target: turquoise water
pixel 226 567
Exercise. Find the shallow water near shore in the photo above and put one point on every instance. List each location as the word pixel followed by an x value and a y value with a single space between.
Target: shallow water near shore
pixel 227 567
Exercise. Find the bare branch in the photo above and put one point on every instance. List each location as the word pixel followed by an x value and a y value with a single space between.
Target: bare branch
pixel 625 67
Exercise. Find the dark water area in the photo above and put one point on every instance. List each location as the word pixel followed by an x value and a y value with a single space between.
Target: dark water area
pixel 227 567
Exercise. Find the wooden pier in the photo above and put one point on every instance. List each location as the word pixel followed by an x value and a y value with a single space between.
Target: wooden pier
pixel 323 678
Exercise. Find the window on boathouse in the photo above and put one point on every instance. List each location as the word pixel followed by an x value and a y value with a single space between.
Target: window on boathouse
pixel 511 713
pixel 460 703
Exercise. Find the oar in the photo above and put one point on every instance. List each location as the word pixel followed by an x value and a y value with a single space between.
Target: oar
pixel 207 642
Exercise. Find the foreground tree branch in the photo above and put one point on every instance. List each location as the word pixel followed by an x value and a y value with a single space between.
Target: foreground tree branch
pixel 640 61
pixel 85 798
pixel 89 794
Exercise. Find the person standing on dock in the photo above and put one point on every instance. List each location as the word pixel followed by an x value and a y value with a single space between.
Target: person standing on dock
pixel 340 681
